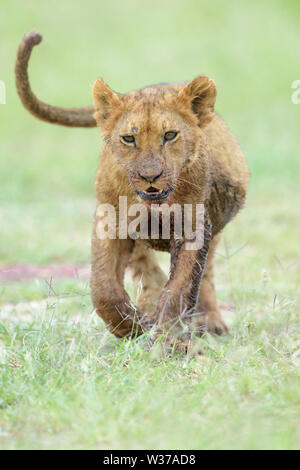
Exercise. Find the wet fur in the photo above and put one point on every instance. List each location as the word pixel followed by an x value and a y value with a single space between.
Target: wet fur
pixel 205 165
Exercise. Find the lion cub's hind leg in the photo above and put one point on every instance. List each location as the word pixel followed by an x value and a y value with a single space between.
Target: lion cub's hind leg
pixel 208 316
pixel 148 278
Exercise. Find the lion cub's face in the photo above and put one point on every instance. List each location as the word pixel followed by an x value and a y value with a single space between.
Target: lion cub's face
pixel 154 131
pixel 153 143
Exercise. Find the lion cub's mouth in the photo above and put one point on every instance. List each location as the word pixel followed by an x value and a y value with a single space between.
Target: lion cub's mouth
pixel 154 194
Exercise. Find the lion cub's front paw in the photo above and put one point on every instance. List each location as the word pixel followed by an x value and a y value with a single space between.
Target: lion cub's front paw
pixel 169 345
pixel 185 347
pixel 211 323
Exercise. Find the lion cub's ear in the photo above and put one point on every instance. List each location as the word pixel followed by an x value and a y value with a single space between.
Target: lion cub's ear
pixel 200 94
pixel 106 101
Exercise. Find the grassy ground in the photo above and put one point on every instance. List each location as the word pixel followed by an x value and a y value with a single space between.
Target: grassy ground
pixel 65 382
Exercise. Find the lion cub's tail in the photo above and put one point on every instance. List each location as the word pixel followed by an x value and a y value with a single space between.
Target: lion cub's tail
pixel 72 117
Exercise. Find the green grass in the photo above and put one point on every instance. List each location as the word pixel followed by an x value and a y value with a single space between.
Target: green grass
pixel 65 382
pixel 70 385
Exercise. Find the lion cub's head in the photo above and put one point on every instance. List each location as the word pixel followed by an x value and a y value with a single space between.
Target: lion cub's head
pixel 155 131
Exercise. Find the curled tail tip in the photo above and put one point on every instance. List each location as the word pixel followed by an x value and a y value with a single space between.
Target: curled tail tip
pixel 74 117
pixel 32 38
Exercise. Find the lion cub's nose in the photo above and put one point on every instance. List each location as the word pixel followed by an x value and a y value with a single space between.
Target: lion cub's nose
pixel 150 177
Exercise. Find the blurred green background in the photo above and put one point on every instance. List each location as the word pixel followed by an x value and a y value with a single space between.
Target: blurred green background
pixel 46 172
pixel 58 388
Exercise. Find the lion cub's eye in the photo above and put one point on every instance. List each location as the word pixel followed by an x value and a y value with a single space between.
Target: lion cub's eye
pixel 128 139
pixel 170 135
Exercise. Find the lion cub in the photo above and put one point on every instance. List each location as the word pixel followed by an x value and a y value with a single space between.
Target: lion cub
pixel 164 146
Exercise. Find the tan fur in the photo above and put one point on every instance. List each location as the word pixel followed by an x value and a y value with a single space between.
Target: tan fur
pixel 148 278
pixel 203 164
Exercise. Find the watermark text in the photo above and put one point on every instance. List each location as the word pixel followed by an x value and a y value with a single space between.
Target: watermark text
pixel 296 95
pixel 2 92
pixel 161 221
